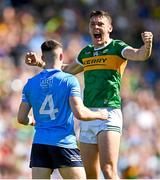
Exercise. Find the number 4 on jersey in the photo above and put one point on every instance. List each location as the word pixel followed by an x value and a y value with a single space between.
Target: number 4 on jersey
pixel 51 111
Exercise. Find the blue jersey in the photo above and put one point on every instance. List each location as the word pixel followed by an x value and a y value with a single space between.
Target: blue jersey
pixel 48 94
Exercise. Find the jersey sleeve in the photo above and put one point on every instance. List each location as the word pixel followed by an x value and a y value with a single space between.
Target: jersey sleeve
pixel 74 87
pixel 25 93
pixel 79 62
pixel 121 46
pixel 83 54
pixel 79 58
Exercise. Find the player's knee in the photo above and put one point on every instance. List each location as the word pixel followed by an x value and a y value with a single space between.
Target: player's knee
pixel 109 171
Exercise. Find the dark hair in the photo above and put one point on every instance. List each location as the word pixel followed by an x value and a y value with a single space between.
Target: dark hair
pixel 50 45
pixel 100 13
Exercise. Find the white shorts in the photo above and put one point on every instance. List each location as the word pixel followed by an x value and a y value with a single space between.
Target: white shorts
pixel 90 129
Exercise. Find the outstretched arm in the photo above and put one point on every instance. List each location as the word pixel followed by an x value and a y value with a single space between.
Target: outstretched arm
pixel 144 52
pixel 31 59
pixel 83 113
pixel 73 68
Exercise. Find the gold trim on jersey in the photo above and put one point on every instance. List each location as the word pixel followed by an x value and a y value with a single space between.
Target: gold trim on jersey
pixel 110 62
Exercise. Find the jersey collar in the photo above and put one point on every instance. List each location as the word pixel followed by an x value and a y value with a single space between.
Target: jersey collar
pixel 110 40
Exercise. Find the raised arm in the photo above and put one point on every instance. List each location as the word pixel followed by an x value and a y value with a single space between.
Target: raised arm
pixel 83 113
pixel 73 68
pixel 144 52
pixel 31 59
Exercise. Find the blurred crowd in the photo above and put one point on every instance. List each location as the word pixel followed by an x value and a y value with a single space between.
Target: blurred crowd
pixel 25 24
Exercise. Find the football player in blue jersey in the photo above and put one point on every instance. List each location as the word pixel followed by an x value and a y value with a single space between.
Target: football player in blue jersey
pixel 54 97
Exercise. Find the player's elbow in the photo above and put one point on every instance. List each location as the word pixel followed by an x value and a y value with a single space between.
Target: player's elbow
pixel 145 56
pixel 79 115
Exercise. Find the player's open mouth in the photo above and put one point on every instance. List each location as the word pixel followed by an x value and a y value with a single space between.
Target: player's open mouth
pixel 97 36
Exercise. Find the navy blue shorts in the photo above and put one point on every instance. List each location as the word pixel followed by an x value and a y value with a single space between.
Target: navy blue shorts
pixel 54 157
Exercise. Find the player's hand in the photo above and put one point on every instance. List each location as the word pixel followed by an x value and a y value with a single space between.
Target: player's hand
pixel 104 114
pixel 147 38
pixel 31 59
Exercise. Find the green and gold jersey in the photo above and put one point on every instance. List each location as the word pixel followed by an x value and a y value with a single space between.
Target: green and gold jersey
pixel 103 70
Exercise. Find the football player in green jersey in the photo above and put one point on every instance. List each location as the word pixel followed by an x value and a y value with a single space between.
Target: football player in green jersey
pixel 103 63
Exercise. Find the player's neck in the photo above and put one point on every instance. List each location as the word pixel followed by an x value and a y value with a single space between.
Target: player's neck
pixel 106 43
pixel 53 66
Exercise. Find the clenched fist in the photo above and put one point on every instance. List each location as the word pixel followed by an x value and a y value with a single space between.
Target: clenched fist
pixel 31 59
pixel 147 38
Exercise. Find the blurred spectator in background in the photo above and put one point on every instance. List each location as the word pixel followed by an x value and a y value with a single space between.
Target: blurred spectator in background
pixel 24 25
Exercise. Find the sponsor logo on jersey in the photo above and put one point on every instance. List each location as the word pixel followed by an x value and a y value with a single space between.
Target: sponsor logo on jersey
pixel 44 83
pixel 108 62
pixel 94 60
